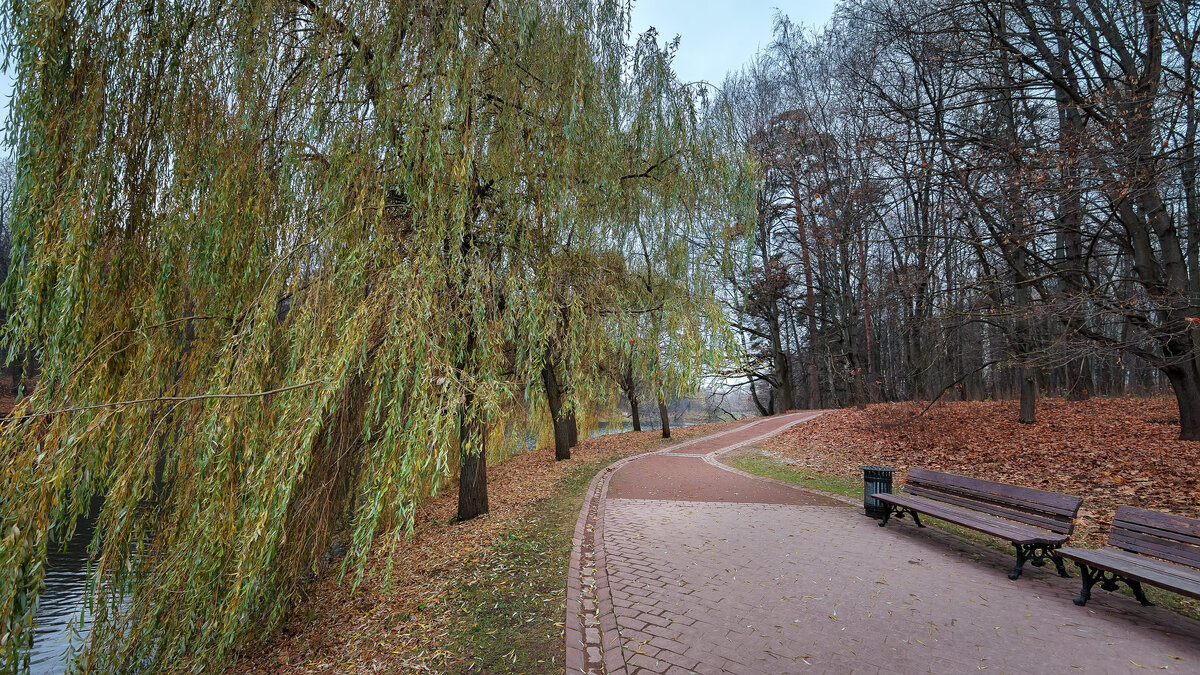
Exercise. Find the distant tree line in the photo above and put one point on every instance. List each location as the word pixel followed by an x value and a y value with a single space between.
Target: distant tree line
pixel 974 199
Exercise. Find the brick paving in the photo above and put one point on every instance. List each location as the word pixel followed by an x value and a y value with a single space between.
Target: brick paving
pixel 691 581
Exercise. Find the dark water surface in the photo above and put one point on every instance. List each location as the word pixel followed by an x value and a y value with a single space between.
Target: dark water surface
pixel 62 622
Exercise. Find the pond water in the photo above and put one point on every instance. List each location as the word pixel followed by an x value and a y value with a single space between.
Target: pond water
pixel 649 423
pixel 62 621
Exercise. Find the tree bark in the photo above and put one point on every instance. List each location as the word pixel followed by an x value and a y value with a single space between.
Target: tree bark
pixel 562 440
pixel 472 484
pixel 630 387
pixel 1070 220
pixel 1029 391
pixel 665 417
pixel 572 430
pixel 810 302
pixel 1186 384
pixel 472 453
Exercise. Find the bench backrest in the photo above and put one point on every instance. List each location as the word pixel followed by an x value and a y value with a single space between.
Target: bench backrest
pixel 1162 535
pixel 1040 508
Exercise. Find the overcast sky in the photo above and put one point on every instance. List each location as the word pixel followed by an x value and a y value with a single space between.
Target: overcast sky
pixel 717 36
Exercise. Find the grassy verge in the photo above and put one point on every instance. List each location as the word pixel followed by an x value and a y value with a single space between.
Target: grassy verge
pixel 755 462
pixel 512 606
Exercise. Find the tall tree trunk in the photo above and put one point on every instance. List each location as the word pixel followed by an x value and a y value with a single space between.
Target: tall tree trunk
pixel 1029 392
pixel 562 440
pixel 630 387
pixel 872 375
pixel 472 453
pixel 472 483
pixel 1070 221
pixel 665 417
pixel 1185 382
pixel 572 430
pixel 810 301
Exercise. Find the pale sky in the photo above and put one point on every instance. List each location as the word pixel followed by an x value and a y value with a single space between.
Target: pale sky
pixel 717 36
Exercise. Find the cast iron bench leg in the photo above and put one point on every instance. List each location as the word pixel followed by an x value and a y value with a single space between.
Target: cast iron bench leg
pixel 1036 555
pixel 1136 587
pixel 1089 580
pixel 899 511
pixel 1108 581
pixel 1021 556
pixel 1062 568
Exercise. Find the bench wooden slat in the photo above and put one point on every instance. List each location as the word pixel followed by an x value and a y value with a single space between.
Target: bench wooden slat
pixel 1039 508
pixel 1014 532
pixel 1017 495
pixel 1178 526
pixel 1153 546
pixel 1176 578
pixel 1162 535
pixel 1035 519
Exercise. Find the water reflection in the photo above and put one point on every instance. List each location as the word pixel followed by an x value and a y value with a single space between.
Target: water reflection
pixel 62 621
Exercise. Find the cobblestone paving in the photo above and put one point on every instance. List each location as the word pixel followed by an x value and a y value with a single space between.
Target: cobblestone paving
pixel 766 588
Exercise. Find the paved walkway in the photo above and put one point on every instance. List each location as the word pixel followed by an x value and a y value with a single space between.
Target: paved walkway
pixel 683 564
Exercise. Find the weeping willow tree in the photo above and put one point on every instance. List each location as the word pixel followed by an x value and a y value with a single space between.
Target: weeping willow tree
pixel 652 272
pixel 290 266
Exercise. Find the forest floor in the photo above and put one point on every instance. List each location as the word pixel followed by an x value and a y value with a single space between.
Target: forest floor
pixel 484 595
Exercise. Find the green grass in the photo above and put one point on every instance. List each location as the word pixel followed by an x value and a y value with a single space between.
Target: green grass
pixel 754 462
pixel 512 605
pixel 769 467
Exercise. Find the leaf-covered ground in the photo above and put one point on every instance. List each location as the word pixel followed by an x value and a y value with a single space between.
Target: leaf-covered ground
pixel 1110 451
pixel 481 596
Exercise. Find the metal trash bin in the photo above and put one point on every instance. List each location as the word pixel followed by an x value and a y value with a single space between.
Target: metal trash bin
pixel 876 479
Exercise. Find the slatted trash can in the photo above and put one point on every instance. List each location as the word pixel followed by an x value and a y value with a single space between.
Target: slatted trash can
pixel 876 480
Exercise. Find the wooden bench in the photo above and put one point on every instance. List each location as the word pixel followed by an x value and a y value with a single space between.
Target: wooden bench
pixel 1037 522
pixel 1172 541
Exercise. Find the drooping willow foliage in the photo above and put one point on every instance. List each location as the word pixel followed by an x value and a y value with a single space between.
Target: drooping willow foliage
pixel 291 264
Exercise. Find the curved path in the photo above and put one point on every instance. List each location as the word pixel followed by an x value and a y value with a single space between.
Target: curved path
pixel 683 564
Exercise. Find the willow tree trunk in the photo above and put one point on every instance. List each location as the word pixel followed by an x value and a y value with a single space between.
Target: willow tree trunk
pixel 472 485
pixel 472 454
pixel 572 430
pixel 665 417
pixel 629 386
pixel 562 439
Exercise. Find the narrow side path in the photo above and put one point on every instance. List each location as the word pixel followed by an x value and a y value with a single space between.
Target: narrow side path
pixel 686 565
